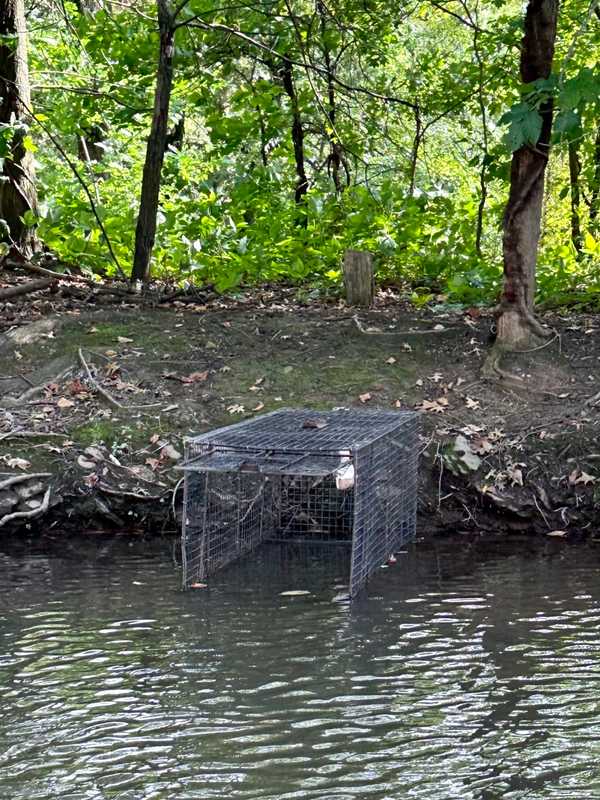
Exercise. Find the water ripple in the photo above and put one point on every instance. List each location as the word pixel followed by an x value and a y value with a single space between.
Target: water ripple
pixel 463 676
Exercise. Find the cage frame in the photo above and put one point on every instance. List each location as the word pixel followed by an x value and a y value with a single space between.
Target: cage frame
pixel 253 448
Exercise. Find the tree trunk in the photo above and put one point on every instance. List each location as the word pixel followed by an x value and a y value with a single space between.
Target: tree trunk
pixel 145 231
pixel 90 7
pixel 358 278
pixel 414 157
pixel 17 187
pixel 297 135
pixel 574 170
pixel 595 196
pixel 516 325
pixel 336 158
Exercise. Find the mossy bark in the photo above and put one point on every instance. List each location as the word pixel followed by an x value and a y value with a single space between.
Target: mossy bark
pixel 517 326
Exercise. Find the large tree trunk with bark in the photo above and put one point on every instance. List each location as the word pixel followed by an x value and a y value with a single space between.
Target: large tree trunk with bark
pixel 17 187
pixel 516 324
pixel 145 232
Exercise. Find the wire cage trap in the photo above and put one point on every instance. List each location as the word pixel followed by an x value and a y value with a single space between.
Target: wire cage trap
pixel 340 476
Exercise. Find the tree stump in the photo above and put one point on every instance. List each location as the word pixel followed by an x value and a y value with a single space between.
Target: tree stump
pixel 358 278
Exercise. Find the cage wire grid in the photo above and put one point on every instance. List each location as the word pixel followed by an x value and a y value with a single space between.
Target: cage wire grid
pixel 295 474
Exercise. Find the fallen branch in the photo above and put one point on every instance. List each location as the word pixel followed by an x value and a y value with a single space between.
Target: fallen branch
pixel 34 512
pixel 11 402
pixel 591 401
pixel 99 389
pixel 32 435
pixel 133 495
pixel 107 395
pixel 377 332
pixel 25 288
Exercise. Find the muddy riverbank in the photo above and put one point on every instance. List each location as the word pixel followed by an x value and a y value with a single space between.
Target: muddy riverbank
pixel 96 403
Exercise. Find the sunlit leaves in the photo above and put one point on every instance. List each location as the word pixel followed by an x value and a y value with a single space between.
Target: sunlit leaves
pixel 525 125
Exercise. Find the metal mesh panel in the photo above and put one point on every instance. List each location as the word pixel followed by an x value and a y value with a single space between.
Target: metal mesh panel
pixel 348 475
pixel 385 500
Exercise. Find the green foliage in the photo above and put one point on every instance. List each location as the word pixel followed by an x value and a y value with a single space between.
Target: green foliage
pixel 227 213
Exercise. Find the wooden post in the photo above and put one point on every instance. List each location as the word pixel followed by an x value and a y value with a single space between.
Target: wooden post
pixel 358 278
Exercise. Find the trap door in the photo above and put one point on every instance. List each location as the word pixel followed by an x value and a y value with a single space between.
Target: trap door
pixel 224 519
pixel 374 535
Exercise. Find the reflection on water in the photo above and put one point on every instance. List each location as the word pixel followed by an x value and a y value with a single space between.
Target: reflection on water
pixel 465 673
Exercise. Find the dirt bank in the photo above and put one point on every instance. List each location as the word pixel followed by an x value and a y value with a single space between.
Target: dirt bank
pixel 96 402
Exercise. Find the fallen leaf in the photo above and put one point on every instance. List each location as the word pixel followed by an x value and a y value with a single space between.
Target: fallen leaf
pixel 259 407
pixel 84 463
pixel 236 408
pixel 481 445
pixel 419 382
pixel 112 369
pixel 153 463
pixel 390 360
pixel 18 463
pixel 123 340
pixel 294 593
pixel 64 402
pixel 77 388
pixel 168 451
pixel 195 377
pixel 579 476
pixel 471 430
pixel 471 403
pixel 154 438
pixel 515 474
pixel 436 377
pixel 558 534
pixel 364 398
pixel 398 404
pixel 314 423
pixel 198 585
pixel 436 406
pixel 407 347
pixel 439 328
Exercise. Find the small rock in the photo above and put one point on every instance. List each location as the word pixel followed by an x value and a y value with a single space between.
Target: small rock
pixel 29 334
pixel 95 453
pixel 8 500
pixel 27 490
pixel 33 503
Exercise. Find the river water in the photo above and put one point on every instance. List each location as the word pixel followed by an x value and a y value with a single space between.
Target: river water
pixel 466 672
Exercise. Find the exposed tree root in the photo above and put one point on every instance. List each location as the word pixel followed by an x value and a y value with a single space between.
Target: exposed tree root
pixel 14 479
pixel 34 512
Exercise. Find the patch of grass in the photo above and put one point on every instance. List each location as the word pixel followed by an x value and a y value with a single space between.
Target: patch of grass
pixel 98 431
